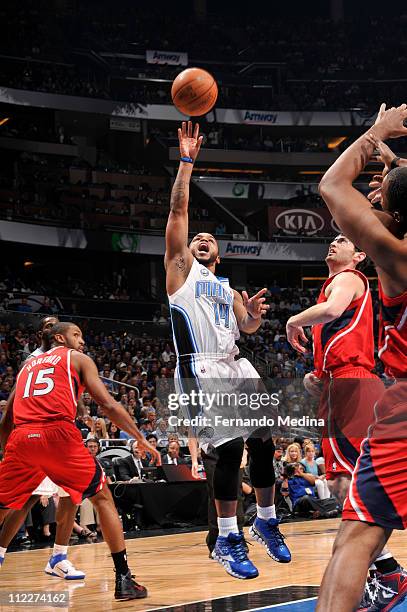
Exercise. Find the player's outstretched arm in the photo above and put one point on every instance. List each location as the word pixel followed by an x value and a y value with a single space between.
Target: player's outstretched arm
pixel 113 410
pixel 178 258
pixel 351 210
pixel 249 311
pixel 342 292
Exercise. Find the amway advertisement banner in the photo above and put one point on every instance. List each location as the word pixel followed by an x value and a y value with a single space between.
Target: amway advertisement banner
pixel 27 233
pixel 167 112
pixel 172 58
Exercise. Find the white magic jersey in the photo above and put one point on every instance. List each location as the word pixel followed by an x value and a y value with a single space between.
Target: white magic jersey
pixel 39 351
pixel 202 314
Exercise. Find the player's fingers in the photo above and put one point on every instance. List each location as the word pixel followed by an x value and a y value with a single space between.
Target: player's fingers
pixel 260 293
pixel 373 194
pixel 372 139
pixel 184 128
pixel 196 131
pixel 245 296
pixel 189 129
pixel 382 110
pixel 298 347
pixel 304 337
pixel 377 198
pixel 198 143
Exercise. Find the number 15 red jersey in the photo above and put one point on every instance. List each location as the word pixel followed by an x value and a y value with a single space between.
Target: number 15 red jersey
pixel 48 388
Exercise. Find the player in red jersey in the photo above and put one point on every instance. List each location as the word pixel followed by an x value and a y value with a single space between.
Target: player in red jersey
pixel 46 395
pixel 343 342
pixel 58 565
pixel 377 501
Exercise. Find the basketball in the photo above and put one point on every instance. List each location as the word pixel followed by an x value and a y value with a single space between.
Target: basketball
pixel 194 92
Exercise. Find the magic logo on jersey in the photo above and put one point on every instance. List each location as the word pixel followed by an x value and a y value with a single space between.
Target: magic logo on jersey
pixel 221 297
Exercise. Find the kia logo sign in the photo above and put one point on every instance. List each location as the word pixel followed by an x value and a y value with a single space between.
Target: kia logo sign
pixel 291 221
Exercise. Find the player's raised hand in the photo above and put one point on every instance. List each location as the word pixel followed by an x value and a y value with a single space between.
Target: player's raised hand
pixel 390 123
pixel 255 305
pixel 376 186
pixel 296 334
pixel 189 141
pixel 385 156
pixel 382 110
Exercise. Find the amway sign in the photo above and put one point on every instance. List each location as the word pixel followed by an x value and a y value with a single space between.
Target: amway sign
pixel 173 58
pixel 259 117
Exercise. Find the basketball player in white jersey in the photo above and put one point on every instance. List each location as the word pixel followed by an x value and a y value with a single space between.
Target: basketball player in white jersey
pixel 58 565
pixel 207 315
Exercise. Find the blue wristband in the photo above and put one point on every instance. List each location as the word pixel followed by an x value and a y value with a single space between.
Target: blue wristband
pixel 189 160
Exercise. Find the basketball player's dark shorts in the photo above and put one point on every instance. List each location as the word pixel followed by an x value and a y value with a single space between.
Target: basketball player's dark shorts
pixel 55 450
pixel 378 489
pixel 347 407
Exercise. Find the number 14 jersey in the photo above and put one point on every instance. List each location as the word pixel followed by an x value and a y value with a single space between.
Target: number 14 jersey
pixel 202 314
pixel 47 388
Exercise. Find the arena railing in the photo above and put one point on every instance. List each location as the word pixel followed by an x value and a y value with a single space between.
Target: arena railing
pixel 108 325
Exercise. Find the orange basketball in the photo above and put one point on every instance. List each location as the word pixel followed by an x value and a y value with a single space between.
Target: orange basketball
pixel 194 92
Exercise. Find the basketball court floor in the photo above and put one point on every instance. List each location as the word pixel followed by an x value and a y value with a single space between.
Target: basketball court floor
pixel 181 578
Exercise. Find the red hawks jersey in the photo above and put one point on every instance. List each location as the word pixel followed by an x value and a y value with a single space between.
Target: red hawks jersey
pixel 348 340
pixel 393 333
pixel 47 388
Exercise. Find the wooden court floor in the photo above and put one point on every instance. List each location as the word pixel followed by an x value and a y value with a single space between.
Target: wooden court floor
pixel 176 569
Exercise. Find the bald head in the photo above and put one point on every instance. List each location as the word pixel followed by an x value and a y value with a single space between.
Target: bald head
pixel 67 334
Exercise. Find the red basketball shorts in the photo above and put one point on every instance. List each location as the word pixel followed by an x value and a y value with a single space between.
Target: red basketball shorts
pixel 347 407
pixel 377 493
pixel 55 450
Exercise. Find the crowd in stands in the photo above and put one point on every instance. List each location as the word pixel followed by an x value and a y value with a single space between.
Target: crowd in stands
pixel 73 193
pixel 124 357
pixel 315 50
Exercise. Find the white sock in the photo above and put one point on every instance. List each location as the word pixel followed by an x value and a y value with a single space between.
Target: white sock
pixel 59 550
pixel 227 525
pixel 266 512
pixel 3 551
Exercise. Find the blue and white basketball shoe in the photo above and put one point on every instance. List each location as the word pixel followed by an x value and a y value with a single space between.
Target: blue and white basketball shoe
pixel 268 534
pixel 231 552
pixel 59 566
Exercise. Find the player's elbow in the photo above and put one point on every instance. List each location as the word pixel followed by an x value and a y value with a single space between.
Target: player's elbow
pixel 327 185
